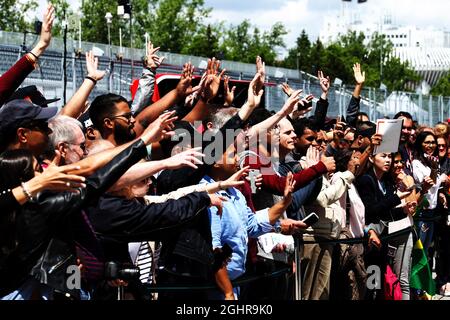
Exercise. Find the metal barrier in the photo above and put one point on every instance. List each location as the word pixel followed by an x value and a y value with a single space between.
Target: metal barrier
pixel 377 103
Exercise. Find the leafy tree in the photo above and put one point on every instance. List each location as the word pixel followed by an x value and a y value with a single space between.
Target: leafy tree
pixel 12 15
pixel 442 88
pixel 299 56
pixel 241 44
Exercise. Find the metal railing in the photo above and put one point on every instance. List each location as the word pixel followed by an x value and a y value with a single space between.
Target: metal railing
pixel 376 103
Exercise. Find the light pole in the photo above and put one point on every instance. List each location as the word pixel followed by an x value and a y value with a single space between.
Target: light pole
pixel 108 18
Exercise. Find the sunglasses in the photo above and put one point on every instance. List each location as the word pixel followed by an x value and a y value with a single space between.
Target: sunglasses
pixel 127 116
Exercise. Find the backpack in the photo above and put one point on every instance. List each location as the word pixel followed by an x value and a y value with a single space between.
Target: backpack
pixel 392 289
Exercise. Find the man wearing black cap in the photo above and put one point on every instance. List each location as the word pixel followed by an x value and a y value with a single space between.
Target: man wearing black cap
pixel 23 125
pixel 32 94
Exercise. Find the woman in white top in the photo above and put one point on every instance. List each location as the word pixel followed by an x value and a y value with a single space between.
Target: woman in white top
pixel 426 165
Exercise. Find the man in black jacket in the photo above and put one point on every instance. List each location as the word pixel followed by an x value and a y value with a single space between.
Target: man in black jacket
pixel 55 224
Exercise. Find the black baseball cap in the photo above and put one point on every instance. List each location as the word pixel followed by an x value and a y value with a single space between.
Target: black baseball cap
pixel 16 112
pixel 366 129
pixel 32 93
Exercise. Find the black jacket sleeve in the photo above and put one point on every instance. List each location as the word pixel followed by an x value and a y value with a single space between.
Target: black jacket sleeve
pixel 353 110
pixel 8 202
pixel 63 203
pixel 378 206
pixel 131 221
pixel 171 180
pixel 320 114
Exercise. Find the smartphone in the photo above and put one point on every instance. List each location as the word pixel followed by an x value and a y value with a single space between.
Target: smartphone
pixel 252 175
pixel 311 219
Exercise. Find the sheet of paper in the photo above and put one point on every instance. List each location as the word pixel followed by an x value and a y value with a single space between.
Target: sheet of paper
pixel 400 224
pixel 268 241
pixel 391 131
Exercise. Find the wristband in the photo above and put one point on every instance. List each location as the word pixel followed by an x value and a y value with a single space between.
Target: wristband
pixel 27 193
pixel 92 79
pixel 35 56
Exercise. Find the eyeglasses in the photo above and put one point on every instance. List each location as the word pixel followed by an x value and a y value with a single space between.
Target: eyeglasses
pixel 127 116
pixel 441 146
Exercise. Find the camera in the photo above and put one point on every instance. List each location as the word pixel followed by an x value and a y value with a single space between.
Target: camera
pixel 121 271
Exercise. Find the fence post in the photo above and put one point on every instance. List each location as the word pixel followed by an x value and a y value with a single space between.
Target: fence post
pixel 430 111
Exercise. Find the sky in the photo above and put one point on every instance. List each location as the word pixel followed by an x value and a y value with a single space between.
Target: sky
pixel 309 14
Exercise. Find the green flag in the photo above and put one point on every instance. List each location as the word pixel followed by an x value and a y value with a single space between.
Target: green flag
pixel 421 277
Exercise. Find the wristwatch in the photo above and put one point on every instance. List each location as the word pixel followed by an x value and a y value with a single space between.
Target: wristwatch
pixel 277 228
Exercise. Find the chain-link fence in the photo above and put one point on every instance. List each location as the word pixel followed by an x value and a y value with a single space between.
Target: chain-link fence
pixel 49 77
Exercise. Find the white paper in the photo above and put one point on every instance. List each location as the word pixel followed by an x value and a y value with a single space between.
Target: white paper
pixel 391 131
pixel 269 241
pixel 400 224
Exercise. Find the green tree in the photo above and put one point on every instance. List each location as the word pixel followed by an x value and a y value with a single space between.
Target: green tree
pixel 242 44
pixel 12 15
pixel 442 88
pixel 299 56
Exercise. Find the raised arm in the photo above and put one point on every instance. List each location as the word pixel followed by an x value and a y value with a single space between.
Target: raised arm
pixel 322 105
pixel 75 107
pixel 14 77
pixel 146 87
pixel 208 91
pixel 183 89
pixel 354 104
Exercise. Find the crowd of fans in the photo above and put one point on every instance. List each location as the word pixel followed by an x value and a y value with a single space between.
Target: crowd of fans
pixel 194 191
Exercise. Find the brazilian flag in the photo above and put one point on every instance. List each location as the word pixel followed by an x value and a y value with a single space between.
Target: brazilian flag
pixel 421 277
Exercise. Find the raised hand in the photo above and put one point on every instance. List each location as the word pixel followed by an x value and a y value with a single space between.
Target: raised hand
pixel 46 31
pixel 325 82
pixel 254 97
pixel 212 82
pixel 186 158
pixel 92 67
pixel 261 70
pixel 291 103
pixel 287 89
pixel 289 187
pixel 312 157
pixel 184 87
pixel 152 60
pixel 160 128
pixel 359 77
pixel 228 94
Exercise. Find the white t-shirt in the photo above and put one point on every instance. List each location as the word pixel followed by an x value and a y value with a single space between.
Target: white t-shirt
pixel 420 171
